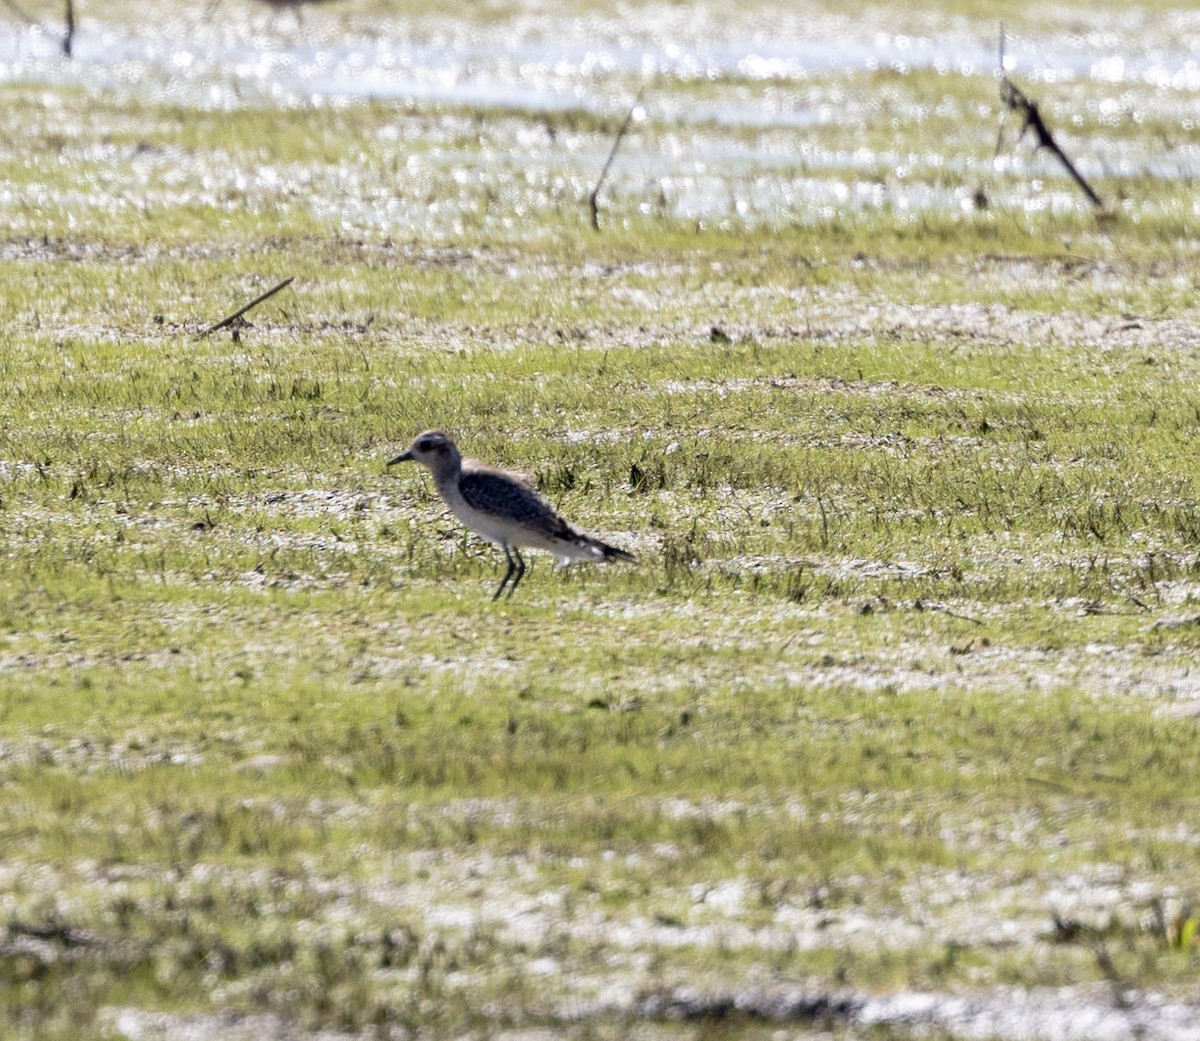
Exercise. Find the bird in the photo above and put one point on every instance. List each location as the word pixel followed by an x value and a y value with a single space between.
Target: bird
pixel 503 508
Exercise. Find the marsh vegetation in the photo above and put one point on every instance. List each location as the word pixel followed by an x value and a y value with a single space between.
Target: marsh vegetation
pixel 902 700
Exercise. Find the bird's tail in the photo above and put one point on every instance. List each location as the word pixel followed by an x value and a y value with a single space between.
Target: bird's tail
pixel 578 546
pixel 605 552
pixel 613 552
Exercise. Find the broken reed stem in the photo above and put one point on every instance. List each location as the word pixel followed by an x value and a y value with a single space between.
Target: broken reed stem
pixel 593 199
pixel 1016 100
pixel 230 319
pixel 69 23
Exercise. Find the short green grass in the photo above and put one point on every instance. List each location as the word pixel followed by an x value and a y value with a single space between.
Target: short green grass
pixel 903 674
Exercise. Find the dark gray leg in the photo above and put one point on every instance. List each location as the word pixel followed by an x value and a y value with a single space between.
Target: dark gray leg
pixel 512 567
pixel 520 571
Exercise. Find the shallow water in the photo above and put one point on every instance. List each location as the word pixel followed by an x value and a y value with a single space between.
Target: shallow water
pixel 744 118
pixel 243 56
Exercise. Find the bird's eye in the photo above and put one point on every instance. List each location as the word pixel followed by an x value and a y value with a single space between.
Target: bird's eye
pixel 424 445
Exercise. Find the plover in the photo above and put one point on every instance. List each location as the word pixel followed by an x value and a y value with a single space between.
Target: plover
pixel 503 508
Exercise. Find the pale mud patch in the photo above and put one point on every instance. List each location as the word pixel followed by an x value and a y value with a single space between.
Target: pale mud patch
pixel 1066 1014
pixel 813 647
pixel 845 315
pixel 1090 1013
pixel 127 754
pixel 134 1024
pixel 506 898
pixel 64 659
pixel 547 929
pixel 523 897
pixel 420 255
pixel 852 314
pixel 994 325
pixel 974 664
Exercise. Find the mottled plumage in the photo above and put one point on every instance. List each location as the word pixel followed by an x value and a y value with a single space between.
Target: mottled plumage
pixel 498 493
pixel 503 508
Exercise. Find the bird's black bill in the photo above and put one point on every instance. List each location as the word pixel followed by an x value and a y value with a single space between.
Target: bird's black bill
pixel 403 457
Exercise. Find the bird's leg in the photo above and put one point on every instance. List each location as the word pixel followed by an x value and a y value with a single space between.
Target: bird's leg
pixel 520 572
pixel 512 566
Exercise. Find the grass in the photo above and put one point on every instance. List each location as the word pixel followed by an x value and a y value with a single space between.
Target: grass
pixel 899 698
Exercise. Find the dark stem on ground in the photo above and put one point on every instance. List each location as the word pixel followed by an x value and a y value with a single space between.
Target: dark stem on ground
pixel 593 199
pixel 1115 980
pixel 230 319
pixel 1016 100
pixel 946 611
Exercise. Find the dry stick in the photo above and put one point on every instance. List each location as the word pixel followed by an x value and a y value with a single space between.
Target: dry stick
pixel 69 37
pixel 1015 100
pixel 242 310
pixel 594 197
pixel 946 611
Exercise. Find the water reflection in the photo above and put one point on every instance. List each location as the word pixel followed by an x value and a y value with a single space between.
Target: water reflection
pixel 246 60
pixel 745 125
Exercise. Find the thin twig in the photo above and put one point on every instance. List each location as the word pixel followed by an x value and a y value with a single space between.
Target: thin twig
pixel 593 199
pixel 923 605
pixel 1015 100
pixel 242 310
pixel 1004 114
pixel 69 36
pixel 1115 980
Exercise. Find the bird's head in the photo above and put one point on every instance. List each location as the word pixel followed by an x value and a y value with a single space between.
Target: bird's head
pixel 433 449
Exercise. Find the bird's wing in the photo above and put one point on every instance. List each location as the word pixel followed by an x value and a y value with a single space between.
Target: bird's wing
pixel 477 466
pixel 493 491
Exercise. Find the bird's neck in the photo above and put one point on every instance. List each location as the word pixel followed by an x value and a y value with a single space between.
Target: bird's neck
pixel 447 475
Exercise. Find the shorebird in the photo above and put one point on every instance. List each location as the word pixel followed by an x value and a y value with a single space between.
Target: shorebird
pixel 503 508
